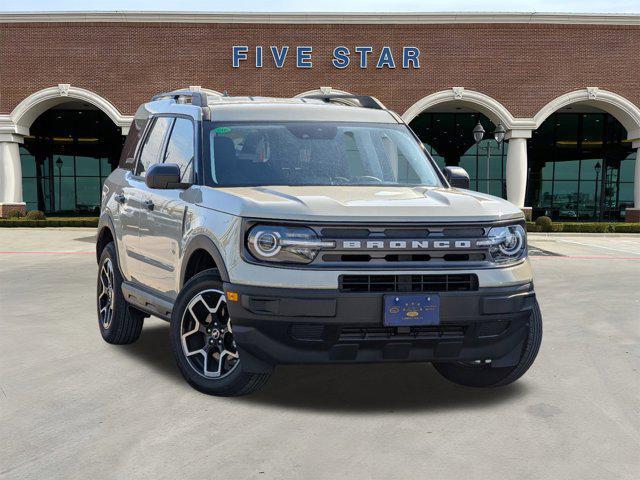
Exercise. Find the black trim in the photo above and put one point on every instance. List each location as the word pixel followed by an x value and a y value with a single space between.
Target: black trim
pixel 146 301
pixel 204 243
pixel 281 326
pixel 105 222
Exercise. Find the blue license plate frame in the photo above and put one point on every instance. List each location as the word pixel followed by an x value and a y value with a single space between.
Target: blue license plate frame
pixel 404 310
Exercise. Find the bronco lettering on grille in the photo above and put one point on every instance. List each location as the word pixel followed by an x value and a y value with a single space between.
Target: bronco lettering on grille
pixel 407 244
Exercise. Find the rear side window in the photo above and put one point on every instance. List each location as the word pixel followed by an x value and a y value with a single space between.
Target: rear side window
pixel 127 157
pixel 150 152
pixel 180 149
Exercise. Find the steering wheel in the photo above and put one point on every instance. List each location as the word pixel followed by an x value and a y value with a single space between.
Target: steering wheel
pixel 369 177
pixel 341 179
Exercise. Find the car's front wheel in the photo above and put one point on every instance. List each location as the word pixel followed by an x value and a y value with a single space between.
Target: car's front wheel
pixel 486 375
pixel 203 343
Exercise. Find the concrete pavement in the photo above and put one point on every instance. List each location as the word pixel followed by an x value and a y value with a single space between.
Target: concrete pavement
pixel 72 406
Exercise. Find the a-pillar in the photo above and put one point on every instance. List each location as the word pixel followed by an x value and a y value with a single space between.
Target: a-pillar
pixel 10 175
pixel 633 214
pixel 517 169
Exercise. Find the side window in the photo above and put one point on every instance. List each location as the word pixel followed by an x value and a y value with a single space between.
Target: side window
pixel 180 148
pixel 150 153
pixel 127 157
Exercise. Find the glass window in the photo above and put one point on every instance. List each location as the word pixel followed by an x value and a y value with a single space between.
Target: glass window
pixel 587 205
pixel 180 149
pixel 63 165
pixel 449 138
pixel 628 167
pixel 626 193
pixel 589 168
pixel 87 166
pixel 547 171
pixel 589 148
pixel 105 167
pixel 310 153
pixel 150 153
pixel 30 190
pixel 28 163
pixel 65 193
pixel 88 193
pixel 545 198
pixel 567 169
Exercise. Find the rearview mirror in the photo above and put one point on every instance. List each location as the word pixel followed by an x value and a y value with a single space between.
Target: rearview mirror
pixel 164 176
pixel 457 177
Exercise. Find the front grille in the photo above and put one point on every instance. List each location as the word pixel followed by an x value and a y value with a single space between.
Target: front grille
pixel 391 246
pixel 391 333
pixel 408 283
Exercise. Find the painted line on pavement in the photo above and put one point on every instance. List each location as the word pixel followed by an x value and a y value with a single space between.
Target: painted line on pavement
pixel 599 246
pixel 581 257
pixel 47 253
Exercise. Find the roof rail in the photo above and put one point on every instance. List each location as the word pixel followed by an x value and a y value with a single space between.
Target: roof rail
pixel 199 99
pixel 364 101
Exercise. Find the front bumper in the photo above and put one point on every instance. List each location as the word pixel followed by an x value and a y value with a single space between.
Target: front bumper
pixel 283 326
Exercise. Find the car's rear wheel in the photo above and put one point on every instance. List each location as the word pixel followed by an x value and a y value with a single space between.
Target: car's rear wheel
pixel 203 343
pixel 119 322
pixel 484 374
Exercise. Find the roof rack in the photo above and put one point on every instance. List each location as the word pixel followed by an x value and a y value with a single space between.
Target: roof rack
pixel 364 101
pixel 199 99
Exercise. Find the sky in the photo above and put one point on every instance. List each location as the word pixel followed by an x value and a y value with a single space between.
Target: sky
pixel 574 6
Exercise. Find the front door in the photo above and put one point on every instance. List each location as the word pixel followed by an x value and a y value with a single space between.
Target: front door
pixel 162 221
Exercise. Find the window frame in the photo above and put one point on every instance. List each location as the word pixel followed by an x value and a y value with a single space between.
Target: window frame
pixel 150 124
pixel 194 129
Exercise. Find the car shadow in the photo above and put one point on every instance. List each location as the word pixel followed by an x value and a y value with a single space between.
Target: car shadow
pixel 154 348
pixel 359 388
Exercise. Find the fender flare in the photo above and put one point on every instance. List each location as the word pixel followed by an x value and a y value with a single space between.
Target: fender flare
pixel 106 222
pixel 202 242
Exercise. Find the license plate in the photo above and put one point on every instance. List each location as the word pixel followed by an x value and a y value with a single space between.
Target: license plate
pixel 411 310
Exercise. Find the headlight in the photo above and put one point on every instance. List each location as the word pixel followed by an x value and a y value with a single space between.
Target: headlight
pixel 284 244
pixel 506 244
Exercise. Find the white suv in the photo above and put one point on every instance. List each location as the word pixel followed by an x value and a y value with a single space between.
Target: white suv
pixel 314 230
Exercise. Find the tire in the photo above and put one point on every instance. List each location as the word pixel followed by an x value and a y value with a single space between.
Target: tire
pixel 119 322
pixel 487 376
pixel 202 340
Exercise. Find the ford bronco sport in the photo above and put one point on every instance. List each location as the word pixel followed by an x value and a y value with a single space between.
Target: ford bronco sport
pixel 308 230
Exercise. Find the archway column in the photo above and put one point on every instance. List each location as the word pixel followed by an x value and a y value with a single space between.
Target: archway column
pixel 10 174
pixel 633 214
pixel 517 168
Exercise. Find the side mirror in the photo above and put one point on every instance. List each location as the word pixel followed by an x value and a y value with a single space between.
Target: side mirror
pixel 457 177
pixel 164 176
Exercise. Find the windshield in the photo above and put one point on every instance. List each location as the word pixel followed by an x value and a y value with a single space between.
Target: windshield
pixel 310 153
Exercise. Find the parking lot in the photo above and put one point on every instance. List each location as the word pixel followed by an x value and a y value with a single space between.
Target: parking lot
pixel 72 406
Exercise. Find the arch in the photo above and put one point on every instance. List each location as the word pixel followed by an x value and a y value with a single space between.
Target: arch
pixel 29 109
pixel 622 109
pixel 459 96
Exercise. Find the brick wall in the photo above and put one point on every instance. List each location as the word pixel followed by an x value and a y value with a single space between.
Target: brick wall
pixel 522 66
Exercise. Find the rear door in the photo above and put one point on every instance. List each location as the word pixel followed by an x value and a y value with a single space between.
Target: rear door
pixel 162 221
pixel 135 196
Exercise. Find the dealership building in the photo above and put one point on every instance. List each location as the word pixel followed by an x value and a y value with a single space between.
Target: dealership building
pixel 565 89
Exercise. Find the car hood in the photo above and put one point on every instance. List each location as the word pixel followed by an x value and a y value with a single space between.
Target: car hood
pixel 361 203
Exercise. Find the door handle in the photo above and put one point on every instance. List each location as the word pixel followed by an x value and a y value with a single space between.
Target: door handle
pixel 120 198
pixel 149 204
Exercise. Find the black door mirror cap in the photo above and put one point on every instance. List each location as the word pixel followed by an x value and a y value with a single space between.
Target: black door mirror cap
pixel 164 176
pixel 457 177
